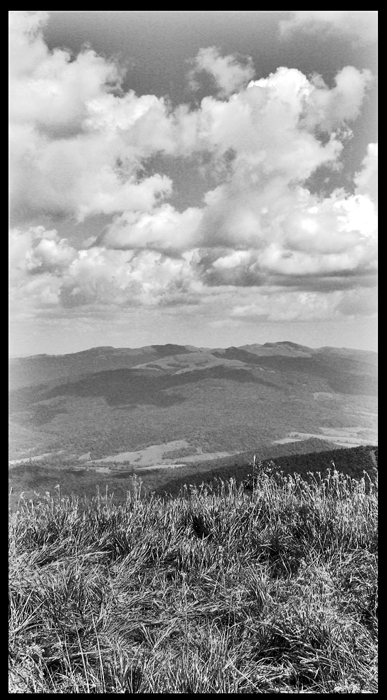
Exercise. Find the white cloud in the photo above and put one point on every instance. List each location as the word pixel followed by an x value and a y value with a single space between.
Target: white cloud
pixel 300 236
pixel 142 123
pixel 230 73
pixel 49 89
pixel 46 268
pixel 164 229
pixel 79 176
pixel 79 148
pixel 296 238
pixel 366 180
pixel 76 142
pixel 27 50
pixel 361 26
pixel 232 260
pixel 38 250
pixel 329 109
pixel 270 126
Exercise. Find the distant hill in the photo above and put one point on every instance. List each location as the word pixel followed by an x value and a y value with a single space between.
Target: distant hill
pixel 39 369
pixel 109 400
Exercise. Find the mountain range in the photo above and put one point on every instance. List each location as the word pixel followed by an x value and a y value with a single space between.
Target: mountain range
pixel 105 402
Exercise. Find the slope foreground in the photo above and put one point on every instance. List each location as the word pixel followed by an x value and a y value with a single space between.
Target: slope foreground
pixel 266 590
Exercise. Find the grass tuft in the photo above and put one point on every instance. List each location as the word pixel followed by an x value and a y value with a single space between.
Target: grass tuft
pixel 253 588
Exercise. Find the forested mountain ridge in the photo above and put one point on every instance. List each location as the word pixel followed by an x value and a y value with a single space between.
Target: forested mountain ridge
pixel 108 400
pixel 39 369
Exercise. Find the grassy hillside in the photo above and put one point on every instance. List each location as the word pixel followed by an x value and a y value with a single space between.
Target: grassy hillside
pixel 297 458
pixel 305 456
pixel 238 591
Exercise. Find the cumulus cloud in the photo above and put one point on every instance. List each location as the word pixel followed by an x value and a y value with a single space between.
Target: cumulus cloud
pixel 76 141
pixel 360 26
pixel 229 73
pixel 79 147
pixel 26 48
pixel 302 237
pixel 46 269
pixel 78 176
pixel 329 109
pixel 39 250
pixel 162 229
pixel 270 127
pixel 298 239
pixel 366 180
pixel 50 89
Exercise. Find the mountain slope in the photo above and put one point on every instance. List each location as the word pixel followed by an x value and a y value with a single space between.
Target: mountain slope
pixel 38 369
pixel 352 462
pixel 109 400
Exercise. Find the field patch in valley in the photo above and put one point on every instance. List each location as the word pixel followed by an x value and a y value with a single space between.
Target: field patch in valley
pixel 345 437
pixel 154 456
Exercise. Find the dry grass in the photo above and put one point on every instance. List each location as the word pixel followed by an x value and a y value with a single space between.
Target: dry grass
pixel 226 591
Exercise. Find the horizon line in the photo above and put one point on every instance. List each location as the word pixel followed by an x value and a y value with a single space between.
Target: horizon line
pixel 185 345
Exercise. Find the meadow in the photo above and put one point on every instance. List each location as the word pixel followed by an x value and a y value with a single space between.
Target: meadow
pixel 266 586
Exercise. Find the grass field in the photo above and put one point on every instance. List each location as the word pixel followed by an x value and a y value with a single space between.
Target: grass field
pixel 272 589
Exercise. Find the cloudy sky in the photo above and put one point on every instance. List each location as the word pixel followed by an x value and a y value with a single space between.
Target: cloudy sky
pixel 204 178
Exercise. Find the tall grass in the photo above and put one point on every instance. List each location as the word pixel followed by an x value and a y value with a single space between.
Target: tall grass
pixel 219 590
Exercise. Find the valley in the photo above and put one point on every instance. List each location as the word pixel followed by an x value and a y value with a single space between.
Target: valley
pixel 103 415
pixel 109 401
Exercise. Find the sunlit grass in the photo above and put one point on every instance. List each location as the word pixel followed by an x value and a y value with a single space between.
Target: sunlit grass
pixel 219 590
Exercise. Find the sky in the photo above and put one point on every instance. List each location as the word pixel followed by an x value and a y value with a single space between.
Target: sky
pixel 195 177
